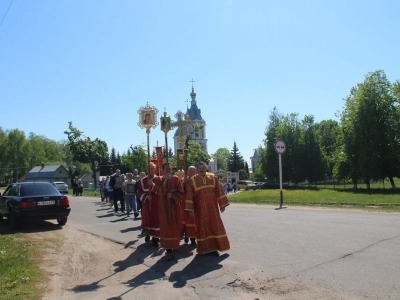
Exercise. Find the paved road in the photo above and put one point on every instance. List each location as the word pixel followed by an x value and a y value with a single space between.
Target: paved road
pixel 325 254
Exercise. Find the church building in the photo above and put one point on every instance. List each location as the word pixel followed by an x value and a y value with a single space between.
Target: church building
pixel 197 130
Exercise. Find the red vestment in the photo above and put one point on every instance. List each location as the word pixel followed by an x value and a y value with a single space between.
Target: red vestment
pixel 150 214
pixel 188 223
pixel 205 196
pixel 170 211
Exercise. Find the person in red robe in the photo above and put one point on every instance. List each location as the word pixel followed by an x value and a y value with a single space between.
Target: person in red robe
pixel 150 203
pixel 205 199
pixel 168 188
pixel 188 224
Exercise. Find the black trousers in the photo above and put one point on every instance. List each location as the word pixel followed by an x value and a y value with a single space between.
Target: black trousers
pixel 138 203
pixel 119 195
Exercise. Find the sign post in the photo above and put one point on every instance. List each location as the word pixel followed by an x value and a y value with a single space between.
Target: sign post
pixel 280 148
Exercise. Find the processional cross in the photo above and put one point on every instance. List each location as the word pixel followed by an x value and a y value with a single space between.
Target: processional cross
pixel 182 121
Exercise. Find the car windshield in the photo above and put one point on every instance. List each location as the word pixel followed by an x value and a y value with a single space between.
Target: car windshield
pixel 38 189
pixel 60 183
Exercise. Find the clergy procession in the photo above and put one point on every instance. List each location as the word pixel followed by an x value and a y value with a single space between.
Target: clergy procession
pixel 173 206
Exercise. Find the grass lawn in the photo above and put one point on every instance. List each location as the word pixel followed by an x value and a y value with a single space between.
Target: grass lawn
pixel 20 272
pixel 86 193
pixel 379 197
pixel 383 199
pixel 21 254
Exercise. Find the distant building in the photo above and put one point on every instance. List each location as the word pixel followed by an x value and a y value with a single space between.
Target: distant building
pixel 48 174
pixel 255 160
pixel 88 180
pixel 226 176
pixel 196 135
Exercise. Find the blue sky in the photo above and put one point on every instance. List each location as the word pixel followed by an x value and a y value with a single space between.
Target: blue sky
pixel 96 62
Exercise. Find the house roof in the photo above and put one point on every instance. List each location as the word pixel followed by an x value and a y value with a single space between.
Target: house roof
pixel 89 177
pixel 43 172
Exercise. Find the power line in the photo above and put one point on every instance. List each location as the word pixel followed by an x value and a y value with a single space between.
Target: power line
pixel 2 20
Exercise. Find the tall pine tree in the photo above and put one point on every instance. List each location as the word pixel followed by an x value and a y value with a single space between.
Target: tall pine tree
pixel 113 157
pixel 170 153
pixel 235 162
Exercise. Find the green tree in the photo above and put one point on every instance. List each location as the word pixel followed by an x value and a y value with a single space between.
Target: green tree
pixel 350 152
pixel 36 150
pixel 195 154
pixel 327 132
pixel 269 159
pixel 312 158
pixel 86 150
pixel 291 131
pixel 4 162
pixel 170 153
pixel 370 124
pixel 222 155
pixel 137 159
pixel 243 175
pixel 258 174
pixel 17 147
pixel 113 157
pixel 41 149
pixel 118 159
pixel 235 162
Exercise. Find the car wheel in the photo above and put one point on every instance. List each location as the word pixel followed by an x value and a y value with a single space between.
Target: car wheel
pixel 13 220
pixel 62 221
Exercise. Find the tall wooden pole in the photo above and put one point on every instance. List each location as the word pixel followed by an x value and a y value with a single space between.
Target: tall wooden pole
pixel 166 148
pixel 148 150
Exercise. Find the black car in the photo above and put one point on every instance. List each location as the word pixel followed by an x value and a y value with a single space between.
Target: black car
pixel 269 185
pixel 33 200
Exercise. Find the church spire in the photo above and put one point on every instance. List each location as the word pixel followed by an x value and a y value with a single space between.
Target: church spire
pixel 193 94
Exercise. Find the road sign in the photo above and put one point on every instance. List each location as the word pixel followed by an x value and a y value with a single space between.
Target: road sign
pixel 280 147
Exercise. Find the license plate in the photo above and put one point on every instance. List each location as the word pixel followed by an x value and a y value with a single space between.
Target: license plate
pixel 46 202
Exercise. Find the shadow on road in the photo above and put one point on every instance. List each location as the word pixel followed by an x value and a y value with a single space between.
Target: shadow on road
pixel 29 227
pixel 106 215
pixel 279 208
pixel 137 257
pixel 130 243
pixel 156 271
pixel 139 227
pixel 102 209
pixel 198 267
pixel 124 218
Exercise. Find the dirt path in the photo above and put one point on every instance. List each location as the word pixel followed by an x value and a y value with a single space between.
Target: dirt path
pixel 91 267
